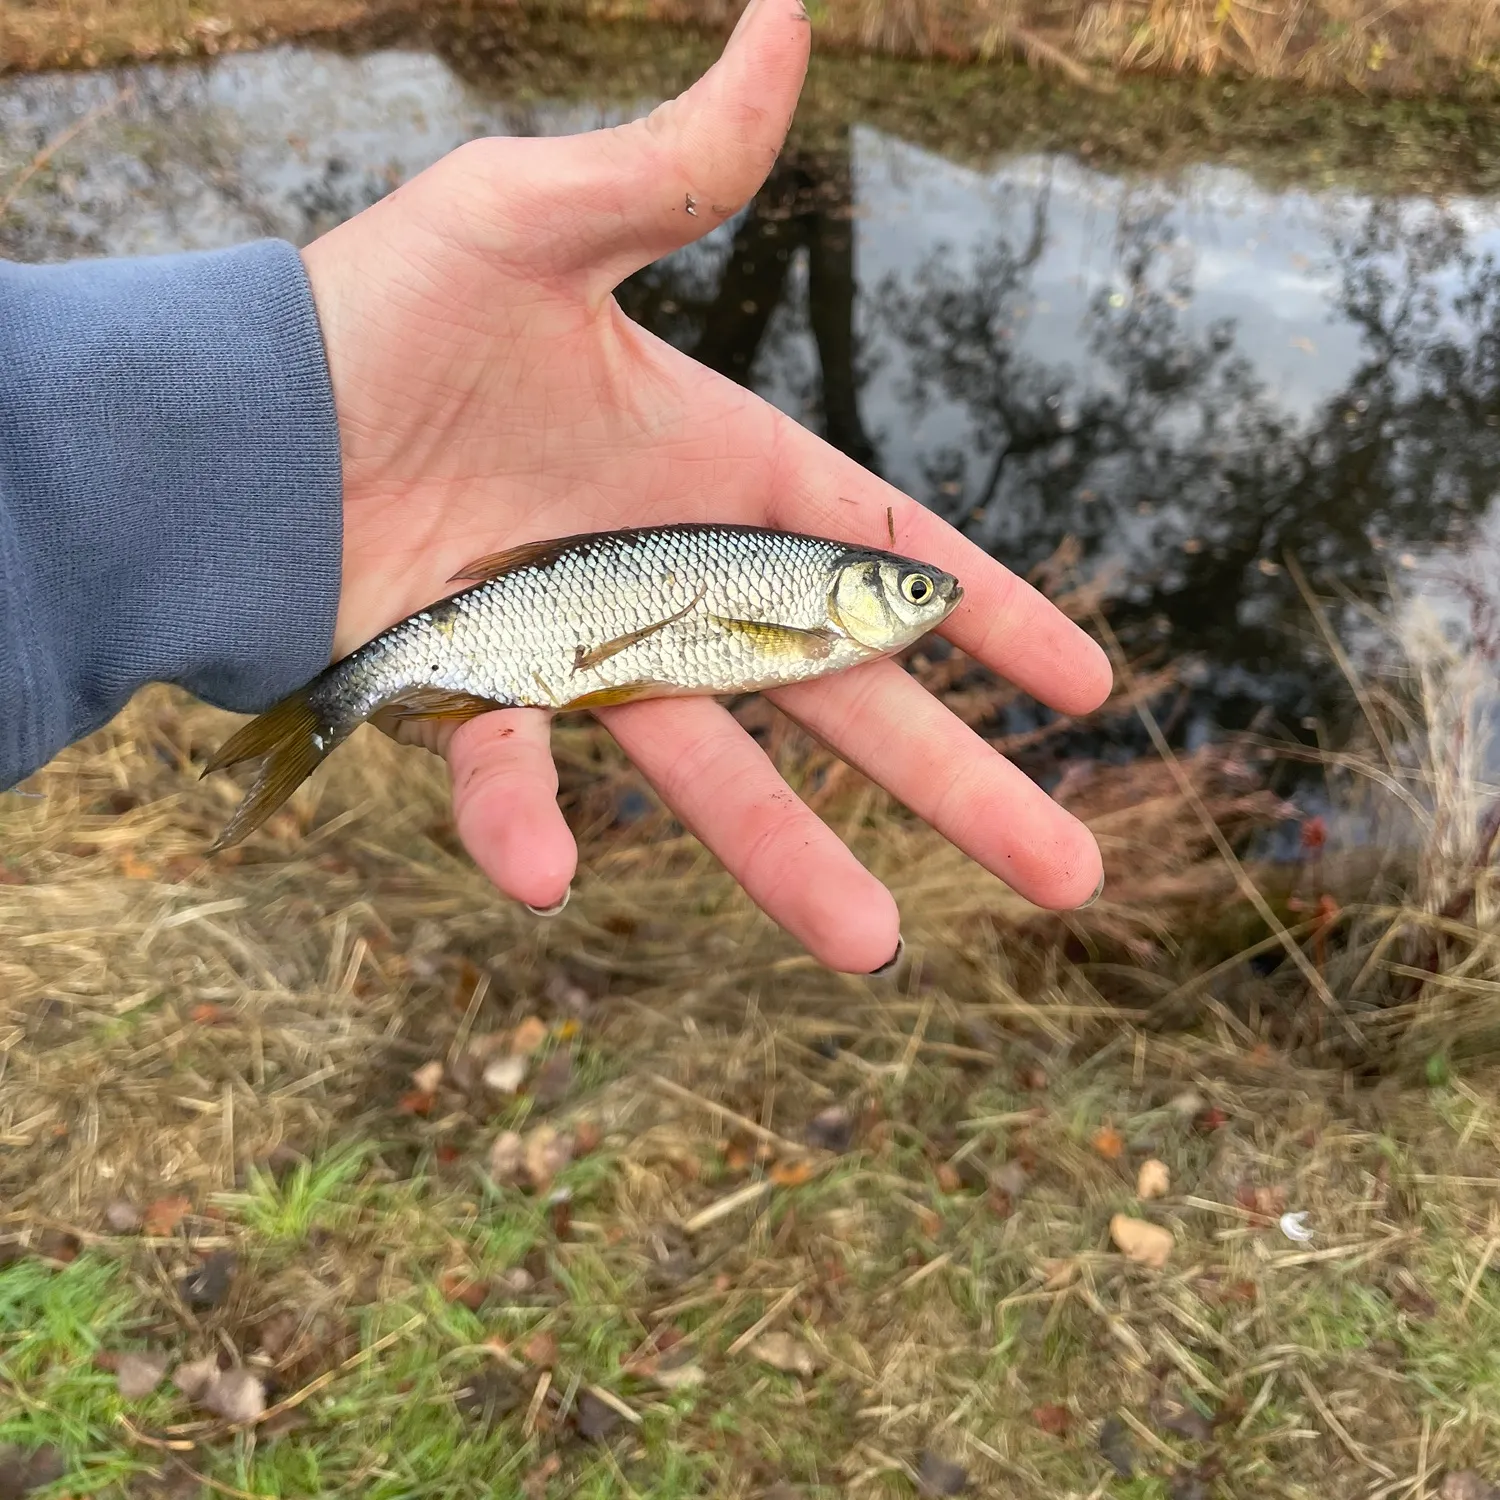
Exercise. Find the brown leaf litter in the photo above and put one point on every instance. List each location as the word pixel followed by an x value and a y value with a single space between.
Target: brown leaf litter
pixel 235 1394
pixel 1146 1244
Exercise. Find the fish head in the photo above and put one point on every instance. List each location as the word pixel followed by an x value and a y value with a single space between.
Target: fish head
pixel 885 602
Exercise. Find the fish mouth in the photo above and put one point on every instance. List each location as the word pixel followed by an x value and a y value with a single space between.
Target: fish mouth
pixel 950 589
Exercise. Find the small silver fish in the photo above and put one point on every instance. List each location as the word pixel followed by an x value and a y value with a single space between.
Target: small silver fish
pixel 588 621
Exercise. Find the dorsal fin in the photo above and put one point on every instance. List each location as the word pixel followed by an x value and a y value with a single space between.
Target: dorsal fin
pixel 528 554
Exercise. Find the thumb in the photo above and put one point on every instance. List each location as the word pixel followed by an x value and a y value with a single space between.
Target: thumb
pixel 615 200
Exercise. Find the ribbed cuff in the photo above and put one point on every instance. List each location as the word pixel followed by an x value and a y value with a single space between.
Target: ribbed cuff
pixel 170 487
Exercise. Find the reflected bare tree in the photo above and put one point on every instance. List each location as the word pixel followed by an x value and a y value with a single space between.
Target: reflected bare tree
pixel 729 321
pixel 1176 459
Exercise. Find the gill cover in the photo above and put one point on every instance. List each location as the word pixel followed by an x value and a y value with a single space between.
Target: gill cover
pixel 884 603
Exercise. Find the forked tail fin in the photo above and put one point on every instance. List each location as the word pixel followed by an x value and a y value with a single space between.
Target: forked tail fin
pixel 291 743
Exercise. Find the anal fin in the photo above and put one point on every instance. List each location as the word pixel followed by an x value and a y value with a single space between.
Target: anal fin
pixel 625 692
pixel 430 703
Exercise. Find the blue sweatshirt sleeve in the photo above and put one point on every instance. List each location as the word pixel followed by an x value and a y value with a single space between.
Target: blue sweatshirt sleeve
pixel 170 488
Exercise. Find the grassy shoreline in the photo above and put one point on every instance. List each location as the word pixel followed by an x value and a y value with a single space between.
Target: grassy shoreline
pixel 1279 133
pixel 760 1231
pixel 1445 49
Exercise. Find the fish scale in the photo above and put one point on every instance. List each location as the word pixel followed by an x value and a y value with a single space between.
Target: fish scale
pixel 610 617
pixel 515 639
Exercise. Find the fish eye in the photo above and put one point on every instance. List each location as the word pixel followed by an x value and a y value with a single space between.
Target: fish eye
pixel 917 587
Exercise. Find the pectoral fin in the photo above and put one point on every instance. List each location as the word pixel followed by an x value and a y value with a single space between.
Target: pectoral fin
pixel 781 640
pixel 590 656
pixel 430 703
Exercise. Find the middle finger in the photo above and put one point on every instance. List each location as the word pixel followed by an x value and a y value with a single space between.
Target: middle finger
pixel 722 785
pixel 887 725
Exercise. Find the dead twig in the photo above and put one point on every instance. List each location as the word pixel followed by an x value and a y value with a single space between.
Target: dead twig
pixel 58 142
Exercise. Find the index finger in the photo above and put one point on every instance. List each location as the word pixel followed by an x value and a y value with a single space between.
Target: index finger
pixel 1002 620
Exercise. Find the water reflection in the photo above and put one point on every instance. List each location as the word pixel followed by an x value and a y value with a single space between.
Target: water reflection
pixel 1192 378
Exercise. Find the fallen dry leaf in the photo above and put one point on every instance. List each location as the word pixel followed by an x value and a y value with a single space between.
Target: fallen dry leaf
pixel 210 1015
pixel 1153 1180
pixel 1170 1413
pixel 508 1158
pixel 596 1418
pixel 122 1216
pixel 208 1285
pixel 947 1177
pixel 488 1396
pixel 547 1151
pixel 1465 1484
pixel 536 1485
pixel 195 1376
pixel 553 1080
pixel 1188 1485
pixel 783 1352
pixel 791 1173
pixel 461 1287
pixel 676 1375
pixel 528 1036
pixel 23 1470
pixel 937 1476
pixel 237 1395
pixel 1059 1273
pixel 1145 1244
pixel 1116 1448
pixel 164 1215
pixel 831 1129
pixel 1010 1178
pixel 138 1374
pixel 1410 1297
pixel 59 1245
pixel 427 1078
pixel 277 1332
pixel 1054 1420
pixel 541 1350
pixel 1108 1142
pixel 416 1102
pixel 505 1075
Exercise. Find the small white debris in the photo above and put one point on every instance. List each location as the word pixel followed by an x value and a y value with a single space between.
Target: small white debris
pixel 1294 1227
pixel 505 1075
pixel 428 1076
pixel 317 740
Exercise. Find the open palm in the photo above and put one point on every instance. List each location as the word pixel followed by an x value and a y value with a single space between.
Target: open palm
pixel 490 391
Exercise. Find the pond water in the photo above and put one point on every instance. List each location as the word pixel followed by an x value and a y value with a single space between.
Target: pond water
pixel 1192 376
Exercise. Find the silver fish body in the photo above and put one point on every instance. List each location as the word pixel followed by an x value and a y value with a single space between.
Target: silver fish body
pixel 605 618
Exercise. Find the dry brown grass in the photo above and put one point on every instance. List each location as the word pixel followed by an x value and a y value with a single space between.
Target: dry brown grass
pixel 1377 46
pixel 167 1025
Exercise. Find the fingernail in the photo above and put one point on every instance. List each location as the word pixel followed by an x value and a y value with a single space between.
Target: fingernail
pixel 550 911
pixel 889 965
pixel 1098 892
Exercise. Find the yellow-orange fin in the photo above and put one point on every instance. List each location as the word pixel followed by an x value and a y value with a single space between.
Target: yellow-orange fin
pixel 626 692
pixel 292 745
pixel 781 640
pixel 430 703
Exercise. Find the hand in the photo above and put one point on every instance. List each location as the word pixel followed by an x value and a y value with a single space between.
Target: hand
pixel 490 391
